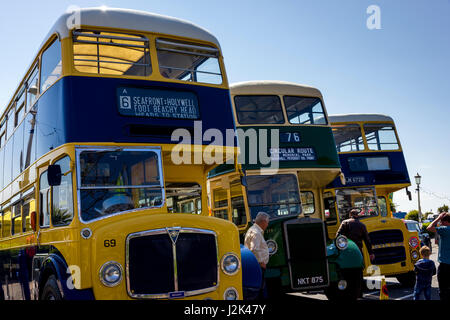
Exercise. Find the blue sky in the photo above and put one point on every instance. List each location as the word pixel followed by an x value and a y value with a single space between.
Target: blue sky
pixel 402 69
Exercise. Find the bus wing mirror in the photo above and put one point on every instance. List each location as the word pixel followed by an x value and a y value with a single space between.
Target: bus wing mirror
pixel 54 175
pixel 33 217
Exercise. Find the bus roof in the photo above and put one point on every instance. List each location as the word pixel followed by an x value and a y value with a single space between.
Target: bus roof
pixel 359 117
pixel 131 20
pixel 265 87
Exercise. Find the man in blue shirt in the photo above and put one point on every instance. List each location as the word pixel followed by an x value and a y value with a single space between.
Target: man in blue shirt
pixel 443 273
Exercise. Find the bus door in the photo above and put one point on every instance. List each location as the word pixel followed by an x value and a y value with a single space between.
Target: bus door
pixel 330 212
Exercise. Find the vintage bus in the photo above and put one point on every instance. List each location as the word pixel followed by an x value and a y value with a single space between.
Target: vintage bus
pixel 287 124
pixel 374 166
pixel 93 203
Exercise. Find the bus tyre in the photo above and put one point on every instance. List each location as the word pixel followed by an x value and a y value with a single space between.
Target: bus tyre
pixel 51 290
pixel 407 279
pixel 351 292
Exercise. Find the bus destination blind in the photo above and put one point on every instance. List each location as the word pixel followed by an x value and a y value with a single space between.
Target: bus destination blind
pixel 152 103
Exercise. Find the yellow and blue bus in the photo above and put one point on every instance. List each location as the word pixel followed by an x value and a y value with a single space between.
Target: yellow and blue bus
pixel 374 166
pixel 287 158
pixel 93 204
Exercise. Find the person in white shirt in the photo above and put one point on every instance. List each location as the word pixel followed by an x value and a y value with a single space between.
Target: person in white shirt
pixel 255 242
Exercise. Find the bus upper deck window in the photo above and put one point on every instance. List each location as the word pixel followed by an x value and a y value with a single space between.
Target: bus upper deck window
pixel 304 110
pixel 348 137
pixel 109 53
pixel 381 137
pixel 259 110
pixel 188 62
pixel 51 65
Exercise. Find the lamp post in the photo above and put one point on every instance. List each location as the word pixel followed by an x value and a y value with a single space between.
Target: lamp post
pixel 418 178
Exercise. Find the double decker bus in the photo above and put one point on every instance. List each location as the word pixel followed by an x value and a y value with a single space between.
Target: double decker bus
pixel 93 203
pixel 286 124
pixel 374 166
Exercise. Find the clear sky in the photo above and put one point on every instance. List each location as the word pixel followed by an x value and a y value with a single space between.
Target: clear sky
pixel 402 69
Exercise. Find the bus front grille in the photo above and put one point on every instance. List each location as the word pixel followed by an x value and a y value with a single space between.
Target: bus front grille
pixel 387 246
pixel 306 253
pixel 171 263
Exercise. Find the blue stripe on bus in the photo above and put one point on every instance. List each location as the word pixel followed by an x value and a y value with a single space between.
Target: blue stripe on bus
pixel 398 173
pixel 85 109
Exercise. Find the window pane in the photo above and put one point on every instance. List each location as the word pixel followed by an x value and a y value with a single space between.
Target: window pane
pixel 356 198
pixel 361 164
pixel 277 195
pixel 330 208
pixel 105 168
pixel 29 150
pixel 348 137
pixel 302 110
pixel 26 209
pixel 188 61
pixel 6 228
pixel 20 109
pixel 123 181
pixel 17 219
pixel 237 204
pixel 381 137
pixel 18 151
pixel 220 198
pixel 51 67
pixel 184 198
pixel 62 196
pixel 10 124
pixel 32 88
pixel 307 198
pixel 383 206
pixel 111 53
pixel 44 216
pixel 259 110
pixel 7 171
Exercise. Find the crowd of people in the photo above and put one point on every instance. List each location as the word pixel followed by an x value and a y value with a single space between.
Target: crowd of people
pixel 356 231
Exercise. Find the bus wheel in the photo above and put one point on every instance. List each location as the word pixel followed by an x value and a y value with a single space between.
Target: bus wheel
pixel 352 290
pixel 407 279
pixel 51 290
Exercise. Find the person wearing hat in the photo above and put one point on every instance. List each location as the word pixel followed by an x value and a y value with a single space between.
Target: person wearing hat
pixel 356 231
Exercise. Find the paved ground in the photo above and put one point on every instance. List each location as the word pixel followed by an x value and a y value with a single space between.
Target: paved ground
pixel 395 290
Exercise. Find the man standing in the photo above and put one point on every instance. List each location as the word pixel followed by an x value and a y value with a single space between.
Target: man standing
pixel 443 273
pixel 356 231
pixel 254 241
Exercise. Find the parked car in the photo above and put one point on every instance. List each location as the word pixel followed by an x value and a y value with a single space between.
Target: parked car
pixel 424 237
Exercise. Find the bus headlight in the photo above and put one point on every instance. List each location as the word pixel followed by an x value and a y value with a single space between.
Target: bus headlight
pixel 415 255
pixel 111 274
pixel 230 264
pixel 231 294
pixel 413 242
pixel 341 242
pixel 273 247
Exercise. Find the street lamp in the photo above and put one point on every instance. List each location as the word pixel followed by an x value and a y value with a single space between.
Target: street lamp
pixel 418 178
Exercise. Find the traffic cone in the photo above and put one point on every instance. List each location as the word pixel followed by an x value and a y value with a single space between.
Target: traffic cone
pixel 384 295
